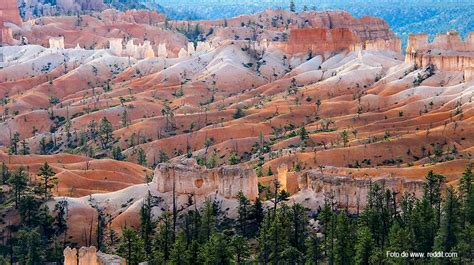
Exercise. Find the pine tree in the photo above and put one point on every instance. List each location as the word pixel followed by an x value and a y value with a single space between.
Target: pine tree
pixel 292 6
pixel 239 113
pixel 105 133
pixel 279 235
pixel 432 192
pixel 146 224
pixel 299 220
pixel 240 249
pixel 131 247
pixel 47 179
pixel 117 153
pixel 178 252
pixel 30 248
pixel 344 243
pixel 25 149
pixel 164 237
pixel 18 181
pixel 243 210
pixel 233 159
pixel 450 226
pixel 141 157
pixel 4 173
pixel 209 220
pixel 264 240
pixel 364 245
pixel 257 212
pixel 314 252
pixel 13 149
pixel 423 225
pixel 215 250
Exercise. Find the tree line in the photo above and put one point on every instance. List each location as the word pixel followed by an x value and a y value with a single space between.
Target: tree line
pixel 272 232
pixel 280 233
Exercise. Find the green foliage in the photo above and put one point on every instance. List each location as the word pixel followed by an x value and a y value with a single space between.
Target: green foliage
pixel 131 247
pixel 47 179
pixel 141 157
pixel 105 133
pixel 239 113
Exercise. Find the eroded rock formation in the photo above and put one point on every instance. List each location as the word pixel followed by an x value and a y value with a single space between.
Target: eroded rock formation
pixel 90 256
pixel 350 191
pixel 137 51
pixel 187 177
pixel 9 12
pixel 56 43
pixel 447 52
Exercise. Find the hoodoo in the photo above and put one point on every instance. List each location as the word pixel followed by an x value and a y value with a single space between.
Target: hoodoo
pixel 447 52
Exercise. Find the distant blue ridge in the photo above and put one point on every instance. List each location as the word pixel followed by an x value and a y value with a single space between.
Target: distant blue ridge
pixel 403 16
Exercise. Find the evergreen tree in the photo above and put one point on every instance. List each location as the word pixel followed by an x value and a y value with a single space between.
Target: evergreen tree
pixel 209 220
pixel 14 140
pixel 25 149
pixel 233 159
pixel 344 243
pixel 215 251
pixel 314 252
pixel 164 237
pixel 29 210
pixel 292 6
pixel 264 240
pixel 141 157
pixel 257 212
pixel 244 205
pixel 30 248
pixel 47 179
pixel 450 227
pixel 105 133
pixel 423 225
pixel 279 233
pixel 432 192
pixel 18 181
pixel 4 173
pixel 147 225
pixel 299 220
pixel 131 247
pixel 178 253
pixel 117 153
pixel 364 245
pixel 239 113
pixel 240 249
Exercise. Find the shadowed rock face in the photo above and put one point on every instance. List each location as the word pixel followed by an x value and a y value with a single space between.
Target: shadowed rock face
pixel 9 12
pixel 188 177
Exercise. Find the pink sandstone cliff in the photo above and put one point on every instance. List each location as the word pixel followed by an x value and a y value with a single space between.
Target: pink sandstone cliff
pixel 9 12
pixel 190 178
pixel 351 192
pixel 447 52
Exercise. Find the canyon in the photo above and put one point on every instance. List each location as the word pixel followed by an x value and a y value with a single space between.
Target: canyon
pixel 204 110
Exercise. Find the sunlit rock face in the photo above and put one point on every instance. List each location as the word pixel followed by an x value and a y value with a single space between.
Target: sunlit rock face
pixel 90 256
pixel 187 177
pixel 9 12
pixel 447 52
pixel 352 192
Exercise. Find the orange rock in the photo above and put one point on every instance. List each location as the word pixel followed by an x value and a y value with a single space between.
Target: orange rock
pixel 9 12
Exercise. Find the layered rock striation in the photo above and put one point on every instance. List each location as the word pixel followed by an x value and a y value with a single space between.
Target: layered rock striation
pixel 447 52
pixel 187 177
pixel 351 191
